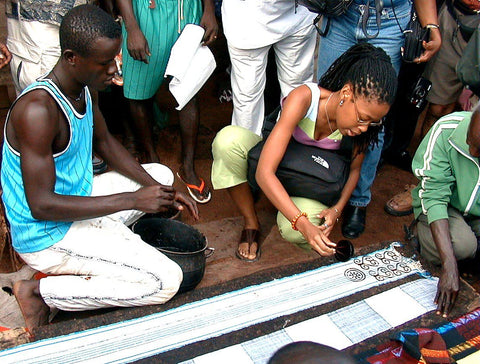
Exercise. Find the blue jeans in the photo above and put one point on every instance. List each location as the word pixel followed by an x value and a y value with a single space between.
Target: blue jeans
pixel 344 32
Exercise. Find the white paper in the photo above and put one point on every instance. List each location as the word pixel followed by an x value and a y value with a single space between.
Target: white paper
pixel 231 354
pixel 190 64
pixel 320 330
pixel 395 306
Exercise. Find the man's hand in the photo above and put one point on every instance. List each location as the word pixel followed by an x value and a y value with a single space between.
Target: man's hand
pixel 137 45
pixel 5 55
pixel 153 199
pixel 447 289
pixel 209 23
pixel 181 199
pixel 431 47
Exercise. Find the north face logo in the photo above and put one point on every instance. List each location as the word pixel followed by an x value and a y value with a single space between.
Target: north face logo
pixel 321 161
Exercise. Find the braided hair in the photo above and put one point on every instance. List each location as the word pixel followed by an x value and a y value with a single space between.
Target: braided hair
pixel 370 71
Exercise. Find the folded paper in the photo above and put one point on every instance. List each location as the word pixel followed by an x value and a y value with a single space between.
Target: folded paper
pixel 190 64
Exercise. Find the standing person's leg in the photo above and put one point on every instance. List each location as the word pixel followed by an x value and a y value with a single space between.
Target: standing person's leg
pixel 248 83
pixel 189 124
pixel 294 59
pixel 141 112
pixel 339 38
pixel 390 39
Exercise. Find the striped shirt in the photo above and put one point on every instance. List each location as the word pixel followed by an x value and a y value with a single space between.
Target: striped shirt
pixel 73 175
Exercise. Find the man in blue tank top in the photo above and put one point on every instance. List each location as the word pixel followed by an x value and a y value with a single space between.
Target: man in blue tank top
pixel 64 222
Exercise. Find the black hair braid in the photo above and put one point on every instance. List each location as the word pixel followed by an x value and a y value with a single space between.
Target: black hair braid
pixel 372 76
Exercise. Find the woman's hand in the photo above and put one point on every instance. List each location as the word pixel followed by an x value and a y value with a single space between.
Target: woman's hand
pixel 316 238
pixel 330 217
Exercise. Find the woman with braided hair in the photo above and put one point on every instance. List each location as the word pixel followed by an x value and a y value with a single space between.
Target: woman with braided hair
pixel 350 100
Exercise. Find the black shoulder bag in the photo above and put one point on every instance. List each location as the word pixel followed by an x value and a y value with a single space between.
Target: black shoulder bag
pixel 305 171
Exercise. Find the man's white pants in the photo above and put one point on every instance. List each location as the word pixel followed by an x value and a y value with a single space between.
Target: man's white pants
pixel 294 59
pixel 101 263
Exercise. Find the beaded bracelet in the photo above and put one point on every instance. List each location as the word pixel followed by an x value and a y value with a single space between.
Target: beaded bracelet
pixel 295 219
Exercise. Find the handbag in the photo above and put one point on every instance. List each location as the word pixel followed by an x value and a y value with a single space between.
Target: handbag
pixel 467 68
pixel 305 171
pixel 415 34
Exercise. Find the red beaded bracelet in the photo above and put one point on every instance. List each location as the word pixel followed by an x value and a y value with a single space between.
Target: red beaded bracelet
pixel 295 219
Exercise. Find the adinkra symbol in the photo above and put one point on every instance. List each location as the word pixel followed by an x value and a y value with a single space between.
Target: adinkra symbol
pixel 320 160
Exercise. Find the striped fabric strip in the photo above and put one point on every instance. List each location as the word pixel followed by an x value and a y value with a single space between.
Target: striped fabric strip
pixel 146 336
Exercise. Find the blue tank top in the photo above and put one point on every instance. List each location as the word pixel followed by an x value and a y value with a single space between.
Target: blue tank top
pixel 73 175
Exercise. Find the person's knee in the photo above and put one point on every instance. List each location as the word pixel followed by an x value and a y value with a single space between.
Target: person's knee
pixel 464 246
pixel 160 173
pixel 172 281
pixel 290 235
pixel 225 140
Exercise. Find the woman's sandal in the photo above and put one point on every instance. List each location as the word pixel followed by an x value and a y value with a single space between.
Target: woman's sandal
pixel 401 203
pixel 250 236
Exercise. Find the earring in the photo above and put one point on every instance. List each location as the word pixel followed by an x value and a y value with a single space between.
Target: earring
pixel 341 102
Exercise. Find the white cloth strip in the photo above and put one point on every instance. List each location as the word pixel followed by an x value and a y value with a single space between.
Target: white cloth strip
pixel 150 335
pixel 339 329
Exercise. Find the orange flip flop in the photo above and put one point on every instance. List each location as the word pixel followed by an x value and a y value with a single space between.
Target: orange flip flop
pixel 200 190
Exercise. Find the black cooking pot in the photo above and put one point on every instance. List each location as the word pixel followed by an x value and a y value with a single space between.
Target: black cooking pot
pixel 182 243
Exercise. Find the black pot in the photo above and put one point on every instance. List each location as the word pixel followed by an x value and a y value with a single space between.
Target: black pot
pixel 182 243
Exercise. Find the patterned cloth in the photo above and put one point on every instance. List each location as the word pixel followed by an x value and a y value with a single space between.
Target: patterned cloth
pixel 446 344
pixel 44 11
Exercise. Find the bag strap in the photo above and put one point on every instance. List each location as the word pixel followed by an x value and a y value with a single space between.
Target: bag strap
pixel 322 33
pixel 366 14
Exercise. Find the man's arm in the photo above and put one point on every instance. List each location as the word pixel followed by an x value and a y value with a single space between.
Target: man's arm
pixel 432 166
pixel 120 160
pixel 34 127
pixel 427 14
pixel 448 284
pixel 209 22
pixel 137 45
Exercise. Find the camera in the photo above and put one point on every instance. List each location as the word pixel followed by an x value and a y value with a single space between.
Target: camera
pixel 418 96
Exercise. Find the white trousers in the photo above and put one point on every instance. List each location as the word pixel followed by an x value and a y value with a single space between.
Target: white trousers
pixel 101 263
pixel 35 49
pixel 294 59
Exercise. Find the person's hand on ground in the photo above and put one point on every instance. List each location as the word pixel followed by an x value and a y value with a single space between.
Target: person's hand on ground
pixel 137 45
pixel 5 55
pixel 431 47
pixel 181 200
pixel 209 23
pixel 330 217
pixel 316 238
pixel 153 199
pixel 447 289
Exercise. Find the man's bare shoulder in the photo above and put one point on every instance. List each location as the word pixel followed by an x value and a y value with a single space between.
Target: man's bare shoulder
pixel 35 105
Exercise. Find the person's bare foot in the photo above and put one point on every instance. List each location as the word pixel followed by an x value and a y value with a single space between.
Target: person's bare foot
pixel 34 309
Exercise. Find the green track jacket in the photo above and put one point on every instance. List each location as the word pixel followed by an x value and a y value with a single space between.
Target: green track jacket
pixel 448 174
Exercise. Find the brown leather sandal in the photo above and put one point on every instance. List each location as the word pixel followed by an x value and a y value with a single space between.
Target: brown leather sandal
pixel 250 236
